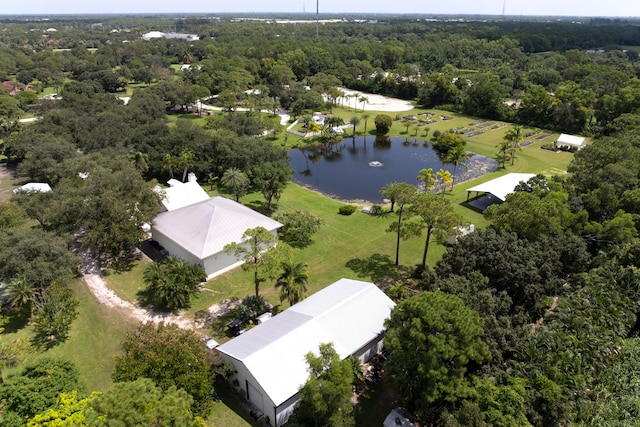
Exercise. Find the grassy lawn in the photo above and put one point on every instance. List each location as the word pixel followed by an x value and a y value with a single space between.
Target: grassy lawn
pixel 93 341
pixel 127 285
pixel 355 246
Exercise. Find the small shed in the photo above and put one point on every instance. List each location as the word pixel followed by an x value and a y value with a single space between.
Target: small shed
pixel 571 142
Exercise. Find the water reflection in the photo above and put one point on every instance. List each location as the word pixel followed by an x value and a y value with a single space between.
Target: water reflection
pixel 342 169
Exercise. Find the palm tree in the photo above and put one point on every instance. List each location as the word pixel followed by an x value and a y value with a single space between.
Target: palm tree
pixel 364 100
pixel 398 291
pixel 457 156
pixel 354 122
pixel 365 117
pixel 400 193
pixel 236 180
pixel 140 161
pixel 514 136
pixel 292 281
pixel 306 120
pixel 427 178
pixel 435 215
pixel 503 152
pixel 20 293
pixel 348 97
pixel 169 163
pixel 172 282
pixel 186 161
pixel 445 179
pixel 407 123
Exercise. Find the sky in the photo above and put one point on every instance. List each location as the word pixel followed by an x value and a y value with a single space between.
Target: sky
pixel 623 8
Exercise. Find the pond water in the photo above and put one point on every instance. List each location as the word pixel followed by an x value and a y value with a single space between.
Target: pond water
pixel 357 168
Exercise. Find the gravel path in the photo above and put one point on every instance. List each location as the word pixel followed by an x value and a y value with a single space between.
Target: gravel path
pixel 93 278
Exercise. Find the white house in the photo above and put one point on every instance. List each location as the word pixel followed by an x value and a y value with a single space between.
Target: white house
pixel 571 142
pixel 270 358
pixel 198 232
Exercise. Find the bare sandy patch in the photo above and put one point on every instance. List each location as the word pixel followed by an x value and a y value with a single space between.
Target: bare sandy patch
pixel 375 102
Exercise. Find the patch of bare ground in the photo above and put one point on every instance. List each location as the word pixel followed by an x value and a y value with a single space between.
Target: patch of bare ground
pixel 92 275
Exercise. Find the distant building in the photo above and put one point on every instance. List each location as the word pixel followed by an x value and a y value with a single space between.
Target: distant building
pixel 15 88
pixel 571 142
pixel 160 35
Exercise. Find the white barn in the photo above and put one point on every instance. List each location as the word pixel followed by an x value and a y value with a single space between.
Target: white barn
pixel 571 142
pixel 270 358
pixel 199 232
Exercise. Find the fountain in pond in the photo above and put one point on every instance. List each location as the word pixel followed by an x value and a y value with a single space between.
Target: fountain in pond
pixel 375 164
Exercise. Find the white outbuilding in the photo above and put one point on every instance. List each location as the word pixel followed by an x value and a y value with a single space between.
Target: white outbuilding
pixel 181 194
pixel 571 142
pixel 199 232
pixel 270 359
pixel 497 190
pixel 33 187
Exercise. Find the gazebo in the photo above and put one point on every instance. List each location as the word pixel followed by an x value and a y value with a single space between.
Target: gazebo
pixel 496 190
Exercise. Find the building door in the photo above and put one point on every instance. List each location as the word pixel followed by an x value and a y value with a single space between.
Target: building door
pixel 254 396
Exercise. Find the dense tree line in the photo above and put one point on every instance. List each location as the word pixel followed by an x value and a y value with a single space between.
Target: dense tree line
pixel 541 307
pixel 472 67
pixel 552 289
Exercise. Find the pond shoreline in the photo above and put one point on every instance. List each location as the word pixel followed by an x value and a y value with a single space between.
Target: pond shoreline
pixel 477 166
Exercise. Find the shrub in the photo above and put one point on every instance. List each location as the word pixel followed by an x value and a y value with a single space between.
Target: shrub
pixel 251 307
pixel 298 227
pixel 346 210
pixel 376 210
pixel 383 124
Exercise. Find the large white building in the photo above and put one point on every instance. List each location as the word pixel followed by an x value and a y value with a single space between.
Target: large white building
pixel 199 232
pixel 270 358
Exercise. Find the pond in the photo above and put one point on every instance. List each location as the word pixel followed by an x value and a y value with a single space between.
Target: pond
pixel 357 168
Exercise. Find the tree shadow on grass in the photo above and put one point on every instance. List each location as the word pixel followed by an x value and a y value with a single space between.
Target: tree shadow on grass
pixel 15 320
pixel 375 403
pixel 232 400
pixel 44 341
pixel 260 206
pixel 376 267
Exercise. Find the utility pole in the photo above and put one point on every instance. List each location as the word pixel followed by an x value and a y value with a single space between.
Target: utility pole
pixel 317 17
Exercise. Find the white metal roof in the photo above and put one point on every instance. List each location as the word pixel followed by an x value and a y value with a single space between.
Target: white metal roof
pixel 348 313
pixel 33 187
pixel 575 141
pixel 502 186
pixel 183 194
pixel 204 228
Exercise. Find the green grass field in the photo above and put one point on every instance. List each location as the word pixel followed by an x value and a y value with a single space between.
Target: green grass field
pixel 355 246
